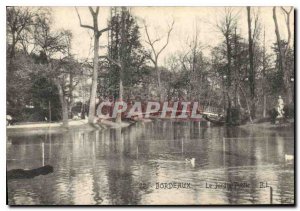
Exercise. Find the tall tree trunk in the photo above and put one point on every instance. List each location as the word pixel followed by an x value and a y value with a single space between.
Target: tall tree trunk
pixel 97 34
pixel 264 105
pixel 229 56
pixel 13 46
pixel 64 104
pixel 122 61
pixel 252 72
pixel 247 103
pixel 71 94
pixel 161 95
pixel 235 72
pixel 288 46
pixel 228 79
pixel 282 61
pixel 92 108
pixel 264 78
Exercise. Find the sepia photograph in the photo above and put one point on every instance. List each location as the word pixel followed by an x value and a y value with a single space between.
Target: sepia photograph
pixel 150 105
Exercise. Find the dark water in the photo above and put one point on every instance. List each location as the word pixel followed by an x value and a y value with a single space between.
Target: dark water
pixel 124 166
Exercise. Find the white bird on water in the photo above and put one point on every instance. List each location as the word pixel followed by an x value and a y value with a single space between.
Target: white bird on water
pixel 288 157
pixel 191 161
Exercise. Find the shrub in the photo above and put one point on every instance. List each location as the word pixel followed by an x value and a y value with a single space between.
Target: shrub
pixel 273 113
pixel 233 116
pixel 289 111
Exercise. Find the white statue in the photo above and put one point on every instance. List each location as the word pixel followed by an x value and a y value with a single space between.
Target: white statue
pixel 280 107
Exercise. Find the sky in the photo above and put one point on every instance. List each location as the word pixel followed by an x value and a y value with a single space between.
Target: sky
pixel 187 19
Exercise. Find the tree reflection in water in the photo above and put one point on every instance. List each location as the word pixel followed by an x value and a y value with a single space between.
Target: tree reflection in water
pixel 122 166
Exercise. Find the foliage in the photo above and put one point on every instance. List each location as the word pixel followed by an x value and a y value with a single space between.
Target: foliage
pixel 43 92
pixel 233 116
pixel 34 72
pixel 273 113
pixel 41 68
pixel 289 111
pixel 135 69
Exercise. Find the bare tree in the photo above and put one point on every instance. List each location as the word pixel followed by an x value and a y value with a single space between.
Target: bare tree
pixel 52 45
pixel 264 77
pixel 19 24
pixel 227 27
pixel 283 52
pixel 122 56
pixel 97 34
pixel 155 53
pixel 251 61
pixel 194 62
pixel 288 17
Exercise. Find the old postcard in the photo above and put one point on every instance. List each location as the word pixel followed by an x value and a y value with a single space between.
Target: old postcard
pixel 150 105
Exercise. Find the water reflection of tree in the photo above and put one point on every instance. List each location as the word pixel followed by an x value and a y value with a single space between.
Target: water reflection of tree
pixel 239 152
pixel 121 185
pixel 96 177
pixel 118 178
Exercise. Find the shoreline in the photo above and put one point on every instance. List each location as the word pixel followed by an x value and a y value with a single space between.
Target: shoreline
pixel 269 126
pixel 41 128
pixel 56 127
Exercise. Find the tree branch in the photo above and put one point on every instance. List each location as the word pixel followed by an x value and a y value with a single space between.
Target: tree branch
pixel 288 28
pixel 82 25
pixel 103 30
pixel 287 12
pixel 97 10
pixel 149 40
pixel 168 38
pixel 91 10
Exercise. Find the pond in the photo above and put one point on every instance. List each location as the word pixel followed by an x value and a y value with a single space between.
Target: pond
pixel 152 163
